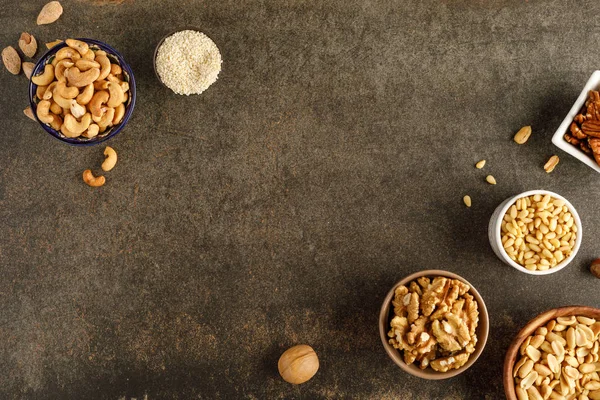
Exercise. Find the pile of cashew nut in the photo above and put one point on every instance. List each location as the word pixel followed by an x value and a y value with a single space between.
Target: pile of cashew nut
pixel 81 92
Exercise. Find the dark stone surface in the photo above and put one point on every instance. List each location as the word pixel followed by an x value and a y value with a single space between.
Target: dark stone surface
pixel 278 208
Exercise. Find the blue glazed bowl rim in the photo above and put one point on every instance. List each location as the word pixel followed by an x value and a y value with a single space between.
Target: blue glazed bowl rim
pixel 39 66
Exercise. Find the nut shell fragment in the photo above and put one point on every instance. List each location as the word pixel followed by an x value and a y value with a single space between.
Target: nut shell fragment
pixel 28 44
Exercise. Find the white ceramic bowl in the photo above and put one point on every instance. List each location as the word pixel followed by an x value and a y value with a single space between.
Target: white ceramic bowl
pixel 558 139
pixel 495 236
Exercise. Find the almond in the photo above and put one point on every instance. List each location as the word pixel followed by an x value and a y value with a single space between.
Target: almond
pixel 28 69
pixel 50 13
pixel 11 60
pixel 29 113
pixel 28 44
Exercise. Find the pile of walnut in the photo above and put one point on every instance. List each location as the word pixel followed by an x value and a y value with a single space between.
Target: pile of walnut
pixel 434 323
pixel 560 361
pixel 585 128
pixel 81 92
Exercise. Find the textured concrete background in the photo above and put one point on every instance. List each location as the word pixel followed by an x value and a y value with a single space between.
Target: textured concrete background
pixel 278 208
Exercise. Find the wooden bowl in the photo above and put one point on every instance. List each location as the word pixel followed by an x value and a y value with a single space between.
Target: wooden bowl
pixel 528 330
pixel 386 315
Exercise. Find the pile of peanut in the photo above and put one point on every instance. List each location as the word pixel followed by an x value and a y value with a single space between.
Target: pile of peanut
pixel 434 323
pixel 538 232
pixel 81 92
pixel 560 361
pixel 585 128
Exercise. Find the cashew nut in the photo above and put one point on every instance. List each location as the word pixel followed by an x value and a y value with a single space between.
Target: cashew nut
pixel 104 66
pixel 95 104
pixel 39 92
pixel 90 55
pixel 100 53
pixel 43 111
pixel 59 69
pixel 110 160
pixel 92 131
pixel 91 180
pixel 76 109
pixel 119 114
pixel 116 94
pixel 67 52
pixel 84 65
pixel 125 97
pixel 80 79
pixel 72 125
pixel 56 122
pixel 86 95
pixel 100 85
pixel 61 101
pixel 46 78
pixel 115 69
pixel 81 47
pixel 67 132
pixel 55 108
pixel 124 87
pixel 49 92
pixel 68 92
pixel 106 119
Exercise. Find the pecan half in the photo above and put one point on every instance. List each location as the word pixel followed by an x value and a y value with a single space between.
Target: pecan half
pixel 590 128
pixel 595 147
pixel 570 139
pixel 576 132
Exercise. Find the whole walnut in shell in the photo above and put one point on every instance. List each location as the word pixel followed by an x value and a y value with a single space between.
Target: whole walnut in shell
pixel 298 364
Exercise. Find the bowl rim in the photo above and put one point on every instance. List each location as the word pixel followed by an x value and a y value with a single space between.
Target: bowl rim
pixel 498 232
pixel 593 83
pixel 394 354
pixel 128 111
pixel 527 330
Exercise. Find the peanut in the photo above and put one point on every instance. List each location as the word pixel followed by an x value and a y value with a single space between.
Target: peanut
pixel 467 200
pixel 490 179
pixel 480 164
pixel 551 164
pixel 523 135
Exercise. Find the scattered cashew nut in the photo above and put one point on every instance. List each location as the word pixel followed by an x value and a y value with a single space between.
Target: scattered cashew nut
pixel 110 160
pixel 45 78
pixel 92 180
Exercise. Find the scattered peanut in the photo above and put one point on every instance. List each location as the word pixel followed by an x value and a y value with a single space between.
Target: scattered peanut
pixel 566 364
pixel 480 164
pixel 523 135
pixel 435 322
pixel 467 200
pixel 490 179
pixel 538 232
pixel 595 268
pixel 92 180
pixel 551 164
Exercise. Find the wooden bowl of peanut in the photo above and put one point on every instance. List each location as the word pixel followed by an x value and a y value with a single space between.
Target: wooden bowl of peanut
pixel 433 324
pixel 555 356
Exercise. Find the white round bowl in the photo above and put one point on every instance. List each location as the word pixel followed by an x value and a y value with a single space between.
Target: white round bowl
pixel 495 235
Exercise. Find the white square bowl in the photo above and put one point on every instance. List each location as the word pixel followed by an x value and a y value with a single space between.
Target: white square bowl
pixel 558 139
